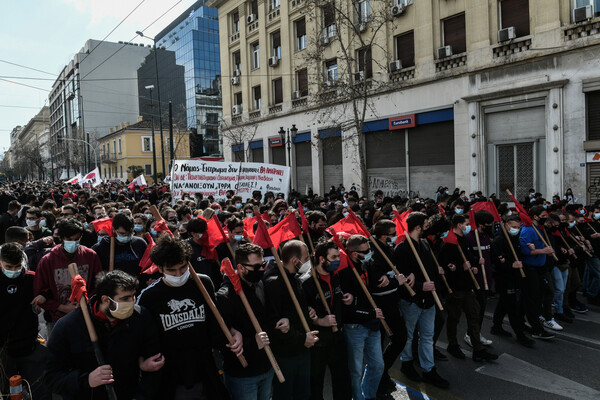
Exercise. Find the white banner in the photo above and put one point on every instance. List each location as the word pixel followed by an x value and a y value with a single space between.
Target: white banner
pixel 215 178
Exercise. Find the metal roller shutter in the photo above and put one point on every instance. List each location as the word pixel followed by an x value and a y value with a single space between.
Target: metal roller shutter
pixel 593 182
pixel 332 162
pixel 386 156
pixel 278 155
pixel 303 166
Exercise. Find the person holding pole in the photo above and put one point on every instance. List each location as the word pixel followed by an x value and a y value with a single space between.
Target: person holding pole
pixel 462 299
pixel 534 260
pixel 292 338
pixel 188 330
pixel 361 322
pixel 330 350
pixel 419 309
pixel 253 382
pixel 126 335
pixel 509 281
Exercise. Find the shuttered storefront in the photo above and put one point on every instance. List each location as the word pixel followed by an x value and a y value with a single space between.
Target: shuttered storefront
pixel 331 144
pixel 303 156
pixel 277 146
pixel 386 155
pixel 256 151
pixel 593 133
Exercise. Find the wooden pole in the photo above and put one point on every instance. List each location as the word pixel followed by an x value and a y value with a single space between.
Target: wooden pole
pixel 112 395
pixel 370 299
pixel 485 284
pixel 564 241
pixel 591 227
pixel 512 248
pixel 258 329
pixel 211 304
pixel 390 264
pixel 542 239
pixel 462 254
pixel 111 260
pixel 437 264
pixel 582 245
pixel 423 270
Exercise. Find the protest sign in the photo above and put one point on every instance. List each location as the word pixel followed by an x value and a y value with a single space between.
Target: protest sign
pixel 215 178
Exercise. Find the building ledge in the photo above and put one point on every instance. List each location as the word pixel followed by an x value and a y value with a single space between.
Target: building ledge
pixel 514 46
pixel 458 60
pixel 275 108
pixel 273 15
pixel 301 102
pixel 235 37
pixel 582 29
pixel 591 145
pixel 252 115
pixel 402 74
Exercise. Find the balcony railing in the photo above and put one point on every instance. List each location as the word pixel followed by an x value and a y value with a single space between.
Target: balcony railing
pixel 108 158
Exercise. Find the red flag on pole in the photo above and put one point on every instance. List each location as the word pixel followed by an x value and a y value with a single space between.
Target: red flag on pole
pixel 401 226
pixel 215 232
pixel 471 215
pixel 344 259
pixel 249 227
pixel 451 238
pixel 146 264
pixel 261 236
pixel 488 206
pixel 104 224
pixel 522 212
pixel 234 278
pixel 287 229
pixel 350 224
pixel 161 226
pixel 303 218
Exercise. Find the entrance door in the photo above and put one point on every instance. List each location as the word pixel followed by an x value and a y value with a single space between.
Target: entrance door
pixel 516 171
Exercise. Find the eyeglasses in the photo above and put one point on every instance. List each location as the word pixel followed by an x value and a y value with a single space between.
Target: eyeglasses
pixel 255 266
pixel 362 251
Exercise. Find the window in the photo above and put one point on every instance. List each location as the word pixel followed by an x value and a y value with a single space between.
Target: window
pixel 405 49
pixel 120 148
pixel 331 70
pixel 276 44
pixel 515 13
pixel 104 150
pixel 254 8
pixel 365 62
pixel 302 82
pixel 404 2
pixel 109 173
pixel 256 97
pixel 237 98
pixel 583 3
pixel 300 34
pixel 363 10
pixel 237 61
pixel 273 4
pixel 454 33
pixel 235 22
pixel 329 28
pixel 592 100
pixel 121 168
pixel 277 91
pixel 148 170
pixel 255 55
pixel 146 144
pixel 114 147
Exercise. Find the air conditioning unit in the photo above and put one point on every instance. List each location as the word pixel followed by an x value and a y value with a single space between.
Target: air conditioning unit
pixel 362 27
pixel 325 41
pixel 581 14
pixel 444 52
pixel 398 10
pixel 395 65
pixel 237 109
pixel 506 34
pixel 273 61
pixel 359 76
pixel 235 80
pixel 237 72
pixel 251 18
pixel 295 95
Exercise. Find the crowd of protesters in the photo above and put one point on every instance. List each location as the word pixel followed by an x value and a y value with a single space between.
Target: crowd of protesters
pixel 349 302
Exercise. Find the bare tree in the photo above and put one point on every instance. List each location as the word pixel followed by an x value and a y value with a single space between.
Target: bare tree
pixel 237 135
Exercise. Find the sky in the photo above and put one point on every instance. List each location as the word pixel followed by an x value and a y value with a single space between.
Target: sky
pixel 46 34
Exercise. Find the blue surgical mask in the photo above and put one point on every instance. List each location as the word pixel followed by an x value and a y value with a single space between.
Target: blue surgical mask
pixel 333 266
pixel 545 206
pixel 582 212
pixel 458 210
pixel 394 239
pixel 138 228
pixel 444 235
pixel 100 238
pixel 148 216
pixel 249 215
pixel 367 257
pixel 572 224
pixel 238 205
pixel 71 246
pixel 346 214
pixel 11 274
pixel 153 232
pixel 124 238
pixel 86 225
pixel 596 216
pixel 467 230
pixel 217 211
pixel 514 231
pixel 238 238
pixel 43 223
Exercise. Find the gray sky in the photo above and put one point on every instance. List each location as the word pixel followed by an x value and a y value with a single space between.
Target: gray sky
pixel 45 35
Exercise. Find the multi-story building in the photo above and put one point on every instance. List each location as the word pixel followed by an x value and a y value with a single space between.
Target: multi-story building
pixel 128 149
pixel 28 150
pixel 483 95
pixel 97 90
pixel 194 37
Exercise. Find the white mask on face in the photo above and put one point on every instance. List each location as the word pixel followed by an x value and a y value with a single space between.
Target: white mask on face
pixel 177 281
pixel 304 268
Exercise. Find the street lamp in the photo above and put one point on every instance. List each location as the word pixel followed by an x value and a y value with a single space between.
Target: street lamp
pixel 162 140
pixel 285 136
pixel 150 87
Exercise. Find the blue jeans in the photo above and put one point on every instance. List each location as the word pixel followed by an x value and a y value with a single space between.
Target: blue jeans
pixel 364 343
pixel 560 283
pixel 250 388
pixel 591 276
pixel 414 315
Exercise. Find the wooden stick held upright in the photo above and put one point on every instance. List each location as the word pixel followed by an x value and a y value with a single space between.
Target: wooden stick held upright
pixel 546 244
pixel 112 395
pixel 581 234
pixel 482 266
pixel 370 299
pixel 437 264
pixel 423 270
pixel 462 255
pixel 564 242
pixel 111 260
pixel 390 264
pixel 211 304
pixel 512 248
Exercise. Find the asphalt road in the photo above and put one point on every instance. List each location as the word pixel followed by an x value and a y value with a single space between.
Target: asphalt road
pixel 567 367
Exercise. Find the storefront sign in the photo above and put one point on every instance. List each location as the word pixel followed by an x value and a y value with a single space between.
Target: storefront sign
pixel 275 142
pixel 593 156
pixel 403 122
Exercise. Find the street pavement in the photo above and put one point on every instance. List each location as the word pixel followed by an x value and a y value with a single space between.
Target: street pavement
pixel 567 367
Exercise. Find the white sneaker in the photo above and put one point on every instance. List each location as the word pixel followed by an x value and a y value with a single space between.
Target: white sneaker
pixel 542 320
pixel 552 324
pixel 468 339
pixel 484 341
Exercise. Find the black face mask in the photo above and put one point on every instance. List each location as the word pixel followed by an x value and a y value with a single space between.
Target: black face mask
pixel 57 240
pixel 553 228
pixel 488 230
pixel 254 276
pixel 184 235
pixel 542 221
pixel 563 225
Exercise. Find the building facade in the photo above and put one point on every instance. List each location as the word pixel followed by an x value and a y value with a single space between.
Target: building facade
pixel 194 37
pixel 97 90
pixel 128 149
pixel 483 95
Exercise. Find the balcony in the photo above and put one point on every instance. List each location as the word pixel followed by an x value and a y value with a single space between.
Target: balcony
pixel 448 63
pixel 109 158
pixel 514 46
pixel 582 30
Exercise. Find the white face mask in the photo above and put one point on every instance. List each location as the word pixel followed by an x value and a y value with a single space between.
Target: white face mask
pixel 304 268
pixel 32 222
pixel 177 281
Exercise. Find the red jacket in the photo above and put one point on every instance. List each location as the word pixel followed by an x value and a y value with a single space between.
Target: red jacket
pixel 52 276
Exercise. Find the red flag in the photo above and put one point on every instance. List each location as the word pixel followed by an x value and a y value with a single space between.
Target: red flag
pixel 78 289
pixel 104 224
pixel 234 278
pixel 287 229
pixel 303 218
pixel 522 212
pixel 488 206
pixel 344 259
pixel 261 236
pixel 451 238
pixel 249 227
pixel 471 215
pixel 401 226
pixel 350 224
pixel 161 226
pixel 148 267
pixel 208 251
pixel 214 231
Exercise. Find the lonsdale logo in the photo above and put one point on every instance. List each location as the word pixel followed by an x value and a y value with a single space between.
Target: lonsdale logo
pixel 184 314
